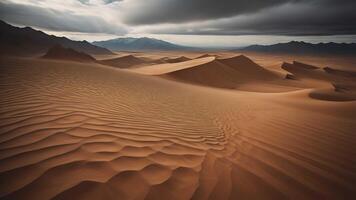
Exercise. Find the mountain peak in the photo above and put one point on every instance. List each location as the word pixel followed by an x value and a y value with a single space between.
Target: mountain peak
pixel 30 41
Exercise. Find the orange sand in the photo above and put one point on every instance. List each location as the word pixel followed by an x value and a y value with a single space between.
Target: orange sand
pixel 207 128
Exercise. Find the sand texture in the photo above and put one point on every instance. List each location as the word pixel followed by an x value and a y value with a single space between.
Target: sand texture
pixel 212 127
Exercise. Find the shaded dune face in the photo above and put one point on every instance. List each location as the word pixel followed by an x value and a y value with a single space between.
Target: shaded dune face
pixel 206 55
pixel 342 73
pixel 246 65
pixel 213 74
pixel 329 74
pixel 123 62
pixel 84 131
pixel 341 83
pixel 224 73
pixel 176 60
pixel 301 70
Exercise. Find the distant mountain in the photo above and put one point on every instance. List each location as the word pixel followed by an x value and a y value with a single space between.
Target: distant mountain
pixel 61 53
pixel 306 48
pixel 28 41
pixel 139 44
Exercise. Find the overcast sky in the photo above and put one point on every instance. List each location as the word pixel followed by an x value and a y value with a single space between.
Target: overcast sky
pixel 190 22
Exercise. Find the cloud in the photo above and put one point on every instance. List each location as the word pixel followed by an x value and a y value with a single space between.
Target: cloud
pixel 189 17
pixel 64 19
pixel 315 17
pixel 95 2
pixel 138 12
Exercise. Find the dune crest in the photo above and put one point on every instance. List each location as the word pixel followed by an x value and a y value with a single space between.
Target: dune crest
pixel 206 55
pixel 226 73
pixel 123 62
pixel 248 67
pixel 165 68
pixel 330 84
pixel 301 70
pixel 178 59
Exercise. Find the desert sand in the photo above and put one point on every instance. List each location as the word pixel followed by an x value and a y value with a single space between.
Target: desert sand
pixel 214 126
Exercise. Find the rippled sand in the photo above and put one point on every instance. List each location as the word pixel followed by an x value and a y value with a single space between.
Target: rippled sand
pixel 88 131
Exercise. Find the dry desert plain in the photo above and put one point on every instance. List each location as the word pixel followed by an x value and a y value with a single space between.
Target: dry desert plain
pixel 178 125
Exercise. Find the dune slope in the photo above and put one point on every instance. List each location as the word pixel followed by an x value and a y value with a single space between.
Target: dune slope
pixel 329 84
pixel 246 66
pixel 86 131
pixel 176 60
pixel 122 62
pixel 228 73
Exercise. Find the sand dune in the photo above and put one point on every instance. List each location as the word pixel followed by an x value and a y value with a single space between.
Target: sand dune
pixel 209 71
pixel 213 74
pixel 87 131
pixel 162 69
pixel 343 73
pixel 176 60
pixel 246 66
pixel 304 71
pixel 333 94
pixel 123 62
pixel 206 55
pixel 330 84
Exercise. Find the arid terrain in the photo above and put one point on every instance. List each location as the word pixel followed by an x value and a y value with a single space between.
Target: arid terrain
pixel 177 125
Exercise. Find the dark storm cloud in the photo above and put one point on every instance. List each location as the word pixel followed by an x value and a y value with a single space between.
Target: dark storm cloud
pixel 177 11
pixel 314 17
pixel 205 17
pixel 104 1
pixel 55 20
pixel 111 1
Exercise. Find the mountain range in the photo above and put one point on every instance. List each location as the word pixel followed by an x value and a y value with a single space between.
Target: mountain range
pixel 295 47
pixel 139 44
pixel 28 41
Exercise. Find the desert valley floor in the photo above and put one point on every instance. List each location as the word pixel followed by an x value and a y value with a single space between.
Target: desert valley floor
pixel 177 126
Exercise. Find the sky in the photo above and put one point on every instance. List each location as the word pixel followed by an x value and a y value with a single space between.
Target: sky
pixel 202 23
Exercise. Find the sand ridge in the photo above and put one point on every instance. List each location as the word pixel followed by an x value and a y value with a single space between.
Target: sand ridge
pixel 171 67
pixel 123 61
pixel 231 72
pixel 176 60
